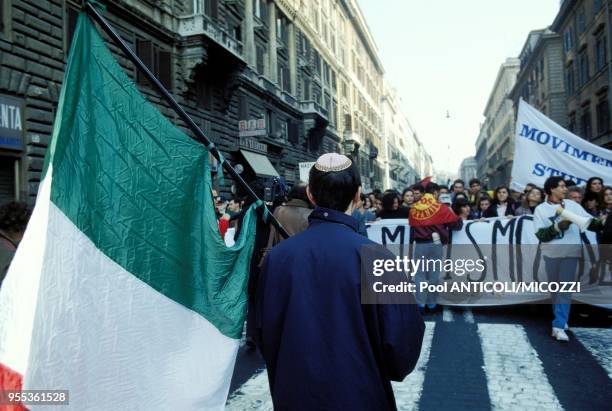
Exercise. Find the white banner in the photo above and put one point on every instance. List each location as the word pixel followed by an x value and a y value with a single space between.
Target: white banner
pixel 509 247
pixel 305 170
pixel 502 230
pixel 544 149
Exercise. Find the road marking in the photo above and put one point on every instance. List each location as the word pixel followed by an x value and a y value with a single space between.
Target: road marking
pixel 408 392
pixel 252 395
pixel 468 316
pixel 447 315
pixel 515 375
pixel 255 393
pixel 599 342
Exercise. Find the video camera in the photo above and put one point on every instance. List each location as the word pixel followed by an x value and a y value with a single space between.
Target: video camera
pixel 275 191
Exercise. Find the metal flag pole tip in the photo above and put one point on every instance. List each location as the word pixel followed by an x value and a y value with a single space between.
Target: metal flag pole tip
pixel 93 12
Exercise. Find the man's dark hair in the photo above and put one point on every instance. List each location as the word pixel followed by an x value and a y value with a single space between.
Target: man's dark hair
pixel 459 181
pixel 432 188
pixel 552 183
pixel 418 187
pixel 474 181
pixel 14 217
pixel 570 182
pixel 298 192
pixel 334 189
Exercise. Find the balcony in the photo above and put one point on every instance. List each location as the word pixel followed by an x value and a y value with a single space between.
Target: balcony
pixel 200 25
pixel 313 108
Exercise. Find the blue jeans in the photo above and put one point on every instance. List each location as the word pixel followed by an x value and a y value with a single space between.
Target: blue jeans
pixel 431 274
pixel 561 269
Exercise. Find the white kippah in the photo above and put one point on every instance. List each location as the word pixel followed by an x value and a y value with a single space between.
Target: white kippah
pixel 332 162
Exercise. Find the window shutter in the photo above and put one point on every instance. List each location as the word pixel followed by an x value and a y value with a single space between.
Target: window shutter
pixel 165 68
pixel 144 50
pixel 293 132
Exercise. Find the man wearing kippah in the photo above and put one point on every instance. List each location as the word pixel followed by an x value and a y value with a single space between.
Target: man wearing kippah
pixel 323 348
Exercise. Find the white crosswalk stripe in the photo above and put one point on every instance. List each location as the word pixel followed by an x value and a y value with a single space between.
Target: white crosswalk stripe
pixel 515 374
pixel 447 315
pixel 468 316
pixel 408 392
pixel 599 342
pixel 516 378
pixel 252 395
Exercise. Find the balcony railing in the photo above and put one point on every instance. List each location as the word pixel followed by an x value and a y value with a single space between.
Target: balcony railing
pixel 200 24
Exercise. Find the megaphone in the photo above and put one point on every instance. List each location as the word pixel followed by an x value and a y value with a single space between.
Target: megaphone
pixel 580 221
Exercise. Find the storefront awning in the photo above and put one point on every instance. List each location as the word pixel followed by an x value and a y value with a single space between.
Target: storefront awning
pixel 260 164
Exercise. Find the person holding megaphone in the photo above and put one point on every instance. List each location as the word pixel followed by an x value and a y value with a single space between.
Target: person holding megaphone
pixel 558 225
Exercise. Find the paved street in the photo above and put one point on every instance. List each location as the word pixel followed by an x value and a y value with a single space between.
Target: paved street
pixel 499 358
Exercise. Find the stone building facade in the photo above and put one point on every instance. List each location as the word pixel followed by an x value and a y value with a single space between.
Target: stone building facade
pixel 498 128
pixel 404 151
pixel 272 83
pixel 540 79
pixel 584 27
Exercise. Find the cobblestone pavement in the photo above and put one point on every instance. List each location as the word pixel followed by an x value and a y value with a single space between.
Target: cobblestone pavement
pixel 500 358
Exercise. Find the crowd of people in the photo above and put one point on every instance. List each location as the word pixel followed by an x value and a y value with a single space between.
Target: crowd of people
pixel 474 202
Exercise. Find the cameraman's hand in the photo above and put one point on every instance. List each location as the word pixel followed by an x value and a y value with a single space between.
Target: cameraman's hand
pixel 564 225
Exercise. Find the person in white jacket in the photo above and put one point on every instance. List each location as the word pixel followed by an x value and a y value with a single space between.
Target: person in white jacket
pixel 561 246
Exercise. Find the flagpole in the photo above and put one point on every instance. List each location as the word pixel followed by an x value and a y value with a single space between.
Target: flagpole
pixel 199 135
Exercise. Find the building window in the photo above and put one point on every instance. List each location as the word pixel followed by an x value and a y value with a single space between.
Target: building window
pixel 580 22
pixel 281 130
pixel 571 123
pixel 600 52
pixel 596 6
pixel 568 40
pixel 317 63
pixel 569 78
pixel 211 8
pixel 326 76
pixel 541 69
pixel 294 134
pixel 305 89
pixel 583 67
pixel 5 17
pixel 344 87
pixel 157 60
pixel 259 55
pixel 603 116
pixel 316 96
pixel 281 30
pixel 585 124
pixel 284 78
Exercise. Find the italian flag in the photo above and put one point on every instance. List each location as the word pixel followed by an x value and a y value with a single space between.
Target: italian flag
pixel 122 291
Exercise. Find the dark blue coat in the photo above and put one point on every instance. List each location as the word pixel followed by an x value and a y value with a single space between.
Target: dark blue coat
pixel 323 349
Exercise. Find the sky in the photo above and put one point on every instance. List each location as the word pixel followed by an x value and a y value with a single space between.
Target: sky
pixel 443 56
